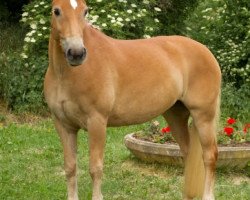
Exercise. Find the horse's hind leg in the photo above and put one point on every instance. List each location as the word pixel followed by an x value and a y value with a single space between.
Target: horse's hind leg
pixel 177 117
pixel 205 122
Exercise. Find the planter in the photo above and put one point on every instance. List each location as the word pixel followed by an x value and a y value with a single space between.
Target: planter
pixel 170 153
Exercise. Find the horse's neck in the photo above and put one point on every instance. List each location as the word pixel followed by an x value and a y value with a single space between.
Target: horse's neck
pixel 94 38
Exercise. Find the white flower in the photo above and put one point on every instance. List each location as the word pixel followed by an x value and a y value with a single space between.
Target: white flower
pixel 29 33
pixel 98 0
pixel 129 11
pixel 44 28
pixel 157 9
pixel 133 5
pixel 156 20
pixel 95 17
pixel 36 6
pixel 120 24
pixel 24 55
pixel 103 11
pixel 113 21
pixel 40 34
pixel 33 40
pixel 42 21
pixel 104 25
pixel 42 2
pixel 206 10
pixel 145 1
pixel 24 19
pixel 27 39
pixel 25 14
pixel 155 123
pixel 147 36
pixel 127 20
pixel 119 19
pixel 33 26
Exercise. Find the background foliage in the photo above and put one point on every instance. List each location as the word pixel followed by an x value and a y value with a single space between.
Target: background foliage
pixel 222 25
pixel 25 70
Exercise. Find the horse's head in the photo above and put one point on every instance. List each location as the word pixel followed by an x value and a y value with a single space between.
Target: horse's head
pixel 68 23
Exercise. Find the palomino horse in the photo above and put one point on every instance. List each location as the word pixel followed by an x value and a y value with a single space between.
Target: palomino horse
pixel 94 81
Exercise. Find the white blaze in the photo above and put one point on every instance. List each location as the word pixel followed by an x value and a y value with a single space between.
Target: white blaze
pixel 73 3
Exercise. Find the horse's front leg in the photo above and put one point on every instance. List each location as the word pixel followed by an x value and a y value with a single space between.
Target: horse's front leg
pixel 69 141
pixel 97 137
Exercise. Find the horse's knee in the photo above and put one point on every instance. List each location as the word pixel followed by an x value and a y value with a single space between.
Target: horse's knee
pixel 70 170
pixel 96 172
pixel 210 155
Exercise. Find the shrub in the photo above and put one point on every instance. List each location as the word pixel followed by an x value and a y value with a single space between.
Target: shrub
pixel 236 101
pixel 224 26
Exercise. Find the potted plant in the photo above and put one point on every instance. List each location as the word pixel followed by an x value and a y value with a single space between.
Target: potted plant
pixel 156 144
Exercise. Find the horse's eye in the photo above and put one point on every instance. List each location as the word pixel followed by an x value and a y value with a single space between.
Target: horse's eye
pixel 86 12
pixel 57 12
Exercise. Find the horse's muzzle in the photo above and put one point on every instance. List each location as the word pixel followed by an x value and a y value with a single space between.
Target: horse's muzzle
pixel 74 49
pixel 76 57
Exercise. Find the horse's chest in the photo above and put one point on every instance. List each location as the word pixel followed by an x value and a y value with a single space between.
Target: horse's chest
pixel 64 107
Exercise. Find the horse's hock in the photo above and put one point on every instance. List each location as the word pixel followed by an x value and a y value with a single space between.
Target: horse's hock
pixel 170 153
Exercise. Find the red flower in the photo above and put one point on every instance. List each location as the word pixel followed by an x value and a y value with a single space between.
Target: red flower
pixel 229 131
pixel 247 126
pixel 231 121
pixel 166 130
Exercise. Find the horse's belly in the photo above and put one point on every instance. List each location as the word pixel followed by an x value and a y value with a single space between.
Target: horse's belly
pixel 139 111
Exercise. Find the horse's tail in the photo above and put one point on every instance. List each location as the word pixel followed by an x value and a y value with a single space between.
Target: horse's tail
pixel 194 165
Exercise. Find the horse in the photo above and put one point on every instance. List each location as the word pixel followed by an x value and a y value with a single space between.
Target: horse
pixel 94 81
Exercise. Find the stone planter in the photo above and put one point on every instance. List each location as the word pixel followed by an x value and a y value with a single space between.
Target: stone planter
pixel 170 153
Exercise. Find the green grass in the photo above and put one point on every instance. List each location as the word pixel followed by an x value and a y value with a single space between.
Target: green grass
pixel 31 168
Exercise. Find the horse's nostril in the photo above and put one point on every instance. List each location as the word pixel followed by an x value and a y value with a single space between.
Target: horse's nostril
pixel 76 54
pixel 80 54
pixel 69 53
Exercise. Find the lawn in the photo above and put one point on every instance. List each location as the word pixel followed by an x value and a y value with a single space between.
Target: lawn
pixel 31 168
